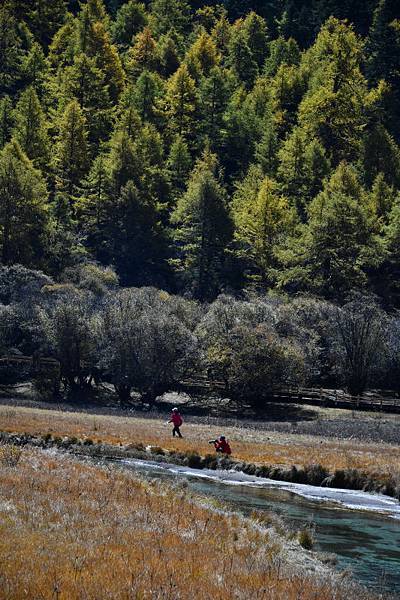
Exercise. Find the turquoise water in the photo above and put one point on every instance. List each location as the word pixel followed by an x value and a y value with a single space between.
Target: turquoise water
pixel 366 543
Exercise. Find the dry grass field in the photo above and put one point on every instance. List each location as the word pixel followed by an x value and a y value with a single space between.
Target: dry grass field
pixel 250 445
pixel 71 531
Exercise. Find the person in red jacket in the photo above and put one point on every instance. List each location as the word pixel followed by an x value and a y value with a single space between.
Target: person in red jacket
pixel 177 421
pixel 222 445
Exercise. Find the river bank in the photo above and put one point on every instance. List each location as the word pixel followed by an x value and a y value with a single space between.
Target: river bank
pixel 347 464
pixel 71 529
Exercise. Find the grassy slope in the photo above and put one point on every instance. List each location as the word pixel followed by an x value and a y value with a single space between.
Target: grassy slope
pixel 258 446
pixel 70 530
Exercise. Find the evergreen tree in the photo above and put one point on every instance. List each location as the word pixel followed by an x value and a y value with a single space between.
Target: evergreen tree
pixel 35 68
pixel 146 95
pixel 203 230
pixel 170 14
pixel 179 165
pixel 337 246
pixel 382 198
pixel 23 209
pixel 182 104
pixel 71 159
pixel 130 20
pixel 11 51
pixel 6 120
pixel 85 82
pixel 261 223
pixel 281 52
pixel 380 154
pixel 215 92
pixel 335 108
pixel 240 57
pixel 256 32
pixel 202 56
pixel 30 128
pixel 143 55
pixel 168 55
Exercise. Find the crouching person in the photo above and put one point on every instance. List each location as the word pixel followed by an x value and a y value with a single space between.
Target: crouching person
pixel 177 421
pixel 221 445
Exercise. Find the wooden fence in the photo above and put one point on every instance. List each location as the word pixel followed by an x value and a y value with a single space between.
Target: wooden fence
pixel 382 400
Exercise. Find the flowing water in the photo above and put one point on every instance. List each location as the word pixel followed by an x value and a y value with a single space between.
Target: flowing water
pixel 363 530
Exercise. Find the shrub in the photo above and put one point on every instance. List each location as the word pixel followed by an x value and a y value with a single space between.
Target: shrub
pixel 10 455
pixel 306 538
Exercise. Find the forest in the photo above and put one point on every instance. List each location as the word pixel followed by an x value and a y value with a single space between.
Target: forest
pixel 202 185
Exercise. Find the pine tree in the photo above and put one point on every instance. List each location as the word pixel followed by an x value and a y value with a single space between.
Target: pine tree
pixel 281 52
pixel 11 51
pixel 179 164
pixel 170 14
pixel 380 154
pixel 337 247
pixel 182 104
pixel 72 159
pixel 261 223
pixel 30 128
pixel 241 59
pixel 35 69
pixel 143 55
pixel 382 198
pixel 302 167
pixel 94 40
pixel 256 31
pixel 6 120
pixel 202 56
pixel 335 109
pixel 168 54
pixel 130 20
pixel 147 92
pixel 203 229
pixel 85 82
pixel 23 209
pixel 215 92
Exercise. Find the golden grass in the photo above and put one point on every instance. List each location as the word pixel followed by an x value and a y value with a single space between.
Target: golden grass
pixel 263 447
pixel 70 530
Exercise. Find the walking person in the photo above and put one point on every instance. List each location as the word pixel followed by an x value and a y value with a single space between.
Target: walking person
pixel 177 421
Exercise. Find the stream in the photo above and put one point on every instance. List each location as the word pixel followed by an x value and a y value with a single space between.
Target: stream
pixel 362 529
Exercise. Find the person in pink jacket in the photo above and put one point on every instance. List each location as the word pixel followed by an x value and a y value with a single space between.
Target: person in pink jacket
pixel 177 421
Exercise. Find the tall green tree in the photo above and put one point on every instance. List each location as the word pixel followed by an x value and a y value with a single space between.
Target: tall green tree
pixel 261 223
pixel 6 120
pixel 202 230
pixel 181 104
pixel 23 209
pixel 130 20
pixel 11 50
pixel 30 128
pixel 71 156
pixel 338 245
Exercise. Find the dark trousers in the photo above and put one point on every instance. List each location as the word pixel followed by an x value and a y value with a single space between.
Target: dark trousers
pixel 176 430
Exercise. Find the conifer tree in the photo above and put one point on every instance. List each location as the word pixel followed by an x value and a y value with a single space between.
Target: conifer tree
pixel 382 198
pixel 256 31
pixel 182 104
pixel 30 128
pixel 35 68
pixel 240 57
pixel 6 120
pixel 281 52
pixel 202 56
pixel 11 50
pixel 143 55
pixel 146 94
pixel 72 158
pixel 179 165
pixel 261 223
pixel 130 20
pixel 23 209
pixel 85 82
pixel 215 92
pixel 203 229
pixel 170 14
pixel 337 246
pixel 168 54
